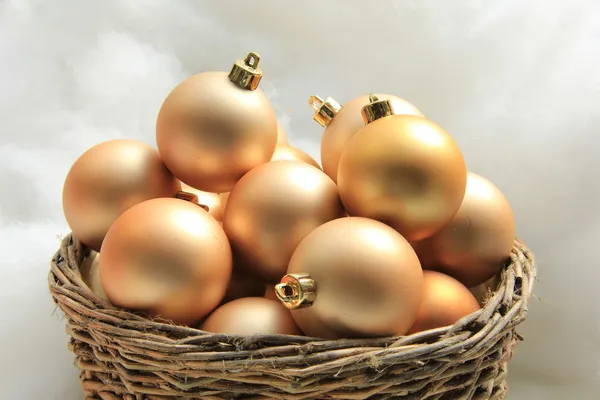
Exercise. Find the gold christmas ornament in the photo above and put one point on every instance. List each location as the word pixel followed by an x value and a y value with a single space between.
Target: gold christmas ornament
pixel 353 277
pixel 445 301
pixel 272 208
pixel 403 170
pixel 342 122
pixel 475 245
pixel 251 316
pixel 212 201
pixel 281 135
pixel 285 152
pixel 214 127
pixel 168 258
pixel 108 179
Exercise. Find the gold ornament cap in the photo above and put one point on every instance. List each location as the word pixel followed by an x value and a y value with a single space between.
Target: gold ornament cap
pixel 325 110
pixel 191 197
pixel 246 73
pixel 296 291
pixel 376 109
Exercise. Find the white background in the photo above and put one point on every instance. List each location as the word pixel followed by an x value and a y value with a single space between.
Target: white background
pixel 516 82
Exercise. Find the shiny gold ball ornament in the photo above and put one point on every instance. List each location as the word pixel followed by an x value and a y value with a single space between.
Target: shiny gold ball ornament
pixel 285 152
pixel 108 179
pixel 251 316
pixel 214 127
pixel 342 122
pixel 168 258
pixel 272 208
pixel 403 170
pixel 445 301
pixel 353 277
pixel 475 245
pixel 212 201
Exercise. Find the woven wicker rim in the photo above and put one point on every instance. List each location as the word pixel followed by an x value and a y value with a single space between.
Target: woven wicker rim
pixel 128 356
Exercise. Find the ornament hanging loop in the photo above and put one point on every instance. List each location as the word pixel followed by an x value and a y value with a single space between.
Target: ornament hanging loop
pixel 376 109
pixel 252 60
pixel 296 291
pixel 325 110
pixel 192 198
pixel 315 102
pixel 246 73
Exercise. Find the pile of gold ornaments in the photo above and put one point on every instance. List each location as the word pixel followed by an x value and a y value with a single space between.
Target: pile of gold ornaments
pixel 230 229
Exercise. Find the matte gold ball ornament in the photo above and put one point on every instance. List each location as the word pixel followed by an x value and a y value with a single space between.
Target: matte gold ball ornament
pixel 476 244
pixel 286 152
pixel 445 301
pixel 251 316
pixel 403 170
pixel 272 208
pixel 342 122
pixel 214 127
pixel 168 258
pixel 350 278
pixel 108 179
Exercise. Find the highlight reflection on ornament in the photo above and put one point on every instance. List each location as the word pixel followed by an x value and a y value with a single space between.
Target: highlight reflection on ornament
pixel 214 127
pixel 168 258
pixel 403 170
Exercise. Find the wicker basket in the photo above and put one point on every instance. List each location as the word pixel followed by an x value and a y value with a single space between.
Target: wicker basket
pixel 122 355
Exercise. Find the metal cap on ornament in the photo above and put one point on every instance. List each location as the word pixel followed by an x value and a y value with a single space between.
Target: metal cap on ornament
pixel 246 73
pixel 376 109
pixel 325 110
pixel 296 291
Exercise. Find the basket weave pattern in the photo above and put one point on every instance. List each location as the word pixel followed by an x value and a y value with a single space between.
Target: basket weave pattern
pixel 122 355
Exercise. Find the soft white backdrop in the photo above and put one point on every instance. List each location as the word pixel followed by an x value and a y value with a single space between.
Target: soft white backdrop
pixel 516 82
